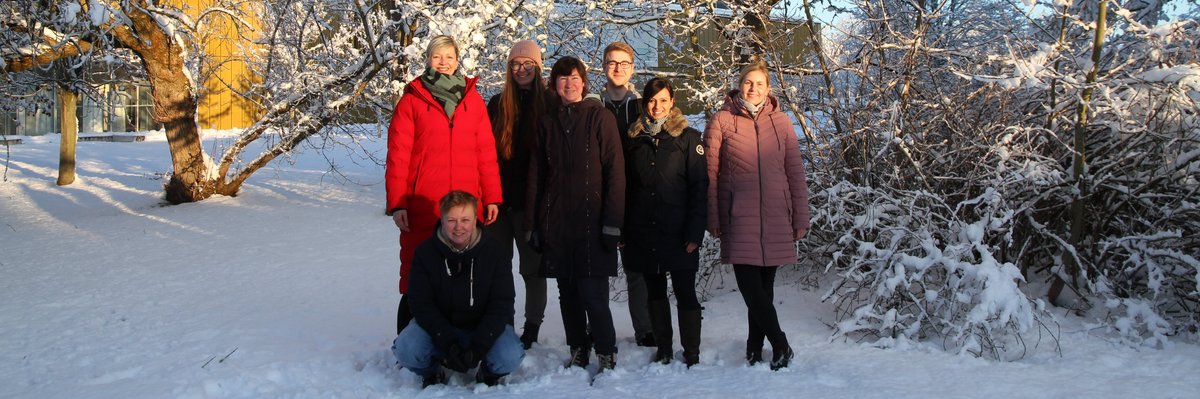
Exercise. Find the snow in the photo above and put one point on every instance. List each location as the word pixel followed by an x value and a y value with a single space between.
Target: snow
pixel 289 290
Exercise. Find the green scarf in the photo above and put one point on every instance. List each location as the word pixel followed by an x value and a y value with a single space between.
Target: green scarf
pixel 446 89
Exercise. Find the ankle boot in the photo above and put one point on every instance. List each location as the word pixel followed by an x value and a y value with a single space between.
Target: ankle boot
pixel 529 334
pixel 689 335
pixel 607 361
pixel 782 352
pixel 660 322
pixel 782 358
pixel 580 357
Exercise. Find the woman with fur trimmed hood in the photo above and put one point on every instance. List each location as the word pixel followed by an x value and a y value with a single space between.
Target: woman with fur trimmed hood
pixel 666 212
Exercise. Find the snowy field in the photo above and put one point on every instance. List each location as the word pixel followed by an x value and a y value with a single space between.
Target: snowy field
pixel 289 290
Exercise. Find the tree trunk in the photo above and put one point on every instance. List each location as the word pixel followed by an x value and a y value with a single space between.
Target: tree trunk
pixel 70 132
pixel 1078 215
pixel 175 108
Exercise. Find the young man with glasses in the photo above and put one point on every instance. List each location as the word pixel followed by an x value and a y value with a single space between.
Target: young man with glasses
pixel 621 98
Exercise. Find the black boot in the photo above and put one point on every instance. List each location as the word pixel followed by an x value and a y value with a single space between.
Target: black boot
pixel 782 358
pixel 689 335
pixel 579 357
pixel 753 355
pixel 529 335
pixel 660 322
pixel 782 351
pixel 485 376
pixel 436 378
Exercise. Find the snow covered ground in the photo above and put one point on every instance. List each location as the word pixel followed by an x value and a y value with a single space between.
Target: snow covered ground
pixel 289 290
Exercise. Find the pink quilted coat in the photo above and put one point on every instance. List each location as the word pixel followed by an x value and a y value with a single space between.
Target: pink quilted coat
pixel 757 191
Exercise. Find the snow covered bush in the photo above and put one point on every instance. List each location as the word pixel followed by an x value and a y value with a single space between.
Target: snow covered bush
pixel 968 160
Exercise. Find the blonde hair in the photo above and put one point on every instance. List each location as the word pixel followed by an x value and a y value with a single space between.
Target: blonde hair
pixel 754 66
pixel 618 46
pixel 439 42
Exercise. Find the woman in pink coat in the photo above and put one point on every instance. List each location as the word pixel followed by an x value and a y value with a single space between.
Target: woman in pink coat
pixel 757 201
pixel 440 140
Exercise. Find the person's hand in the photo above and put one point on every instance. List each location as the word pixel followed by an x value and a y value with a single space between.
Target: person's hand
pixel 610 242
pixel 799 234
pixel 535 243
pixel 460 359
pixel 490 215
pixel 691 247
pixel 400 217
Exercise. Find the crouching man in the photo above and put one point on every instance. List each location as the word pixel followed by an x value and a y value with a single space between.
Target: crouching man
pixel 461 295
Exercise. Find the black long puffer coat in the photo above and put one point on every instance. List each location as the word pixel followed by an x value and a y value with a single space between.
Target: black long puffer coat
pixel 576 190
pixel 666 196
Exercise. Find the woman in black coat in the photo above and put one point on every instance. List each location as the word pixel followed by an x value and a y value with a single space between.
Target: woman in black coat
pixel 574 209
pixel 666 210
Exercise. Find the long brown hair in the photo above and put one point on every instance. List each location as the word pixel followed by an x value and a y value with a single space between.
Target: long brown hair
pixel 503 122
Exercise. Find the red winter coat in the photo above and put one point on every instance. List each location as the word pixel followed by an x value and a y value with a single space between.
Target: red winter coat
pixel 429 155
pixel 757 192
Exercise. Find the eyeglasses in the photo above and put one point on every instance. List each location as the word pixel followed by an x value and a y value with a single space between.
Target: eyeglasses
pixel 519 66
pixel 621 65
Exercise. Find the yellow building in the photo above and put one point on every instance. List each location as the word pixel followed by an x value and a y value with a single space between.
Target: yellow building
pixel 127 106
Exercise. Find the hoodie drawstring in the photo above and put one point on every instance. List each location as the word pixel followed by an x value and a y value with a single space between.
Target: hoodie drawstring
pixel 471 272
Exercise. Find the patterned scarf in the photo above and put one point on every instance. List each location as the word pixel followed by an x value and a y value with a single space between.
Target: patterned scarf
pixel 446 89
pixel 653 126
pixel 751 108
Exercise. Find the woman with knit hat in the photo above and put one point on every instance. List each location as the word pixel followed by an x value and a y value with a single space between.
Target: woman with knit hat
pixel 514 113
pixel 440 140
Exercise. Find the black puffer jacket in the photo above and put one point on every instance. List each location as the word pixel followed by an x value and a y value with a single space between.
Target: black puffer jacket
pixel 471 291
pixel 666 196
pixel 576 189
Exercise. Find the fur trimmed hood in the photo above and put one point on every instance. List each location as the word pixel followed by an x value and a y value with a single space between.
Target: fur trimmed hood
pixel 674 125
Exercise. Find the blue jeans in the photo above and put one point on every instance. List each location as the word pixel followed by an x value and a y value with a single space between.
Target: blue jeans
pixel 414 350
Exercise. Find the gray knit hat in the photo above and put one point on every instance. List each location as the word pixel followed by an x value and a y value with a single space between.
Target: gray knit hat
pixel 526 49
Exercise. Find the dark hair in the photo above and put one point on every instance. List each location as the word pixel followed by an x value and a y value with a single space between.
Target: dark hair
pixel 654 86
pixel 457 198
pixel 563 67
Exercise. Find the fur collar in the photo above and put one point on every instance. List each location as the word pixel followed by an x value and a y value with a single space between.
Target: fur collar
pixel 674 126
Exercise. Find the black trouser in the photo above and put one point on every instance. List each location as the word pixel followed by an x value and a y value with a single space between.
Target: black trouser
pixel 757 284
pixel 584 303
pixel 506 229
pixel 403 314
pixel 684 284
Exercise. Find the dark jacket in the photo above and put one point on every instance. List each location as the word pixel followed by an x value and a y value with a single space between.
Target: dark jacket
pixel 666 196
pixel 471 291
pixel 626 110
pixel 514 172
pixel 576 190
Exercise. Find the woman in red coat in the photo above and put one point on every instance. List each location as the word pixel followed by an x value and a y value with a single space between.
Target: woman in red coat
pixel 439 140
pixel 757 201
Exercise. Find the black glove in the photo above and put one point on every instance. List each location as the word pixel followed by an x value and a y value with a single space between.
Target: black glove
pixel 610 242
pixel 535 241
pixel 460 359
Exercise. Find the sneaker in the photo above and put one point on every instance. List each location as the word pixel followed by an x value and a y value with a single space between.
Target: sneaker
pixel 754 357
pixel 579 357
pixel 782 358
pixel 607 362
pixel 435 379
